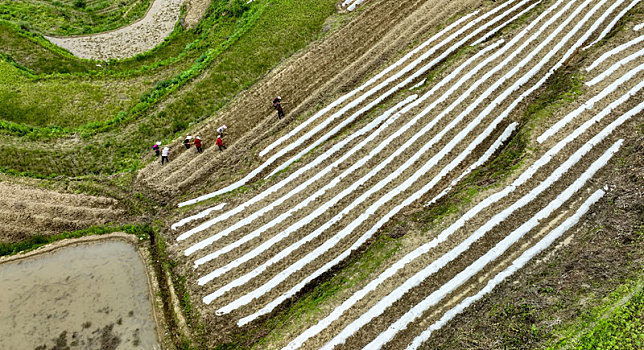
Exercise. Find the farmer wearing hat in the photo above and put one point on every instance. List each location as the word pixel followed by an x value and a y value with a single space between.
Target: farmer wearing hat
pixel 186 142
pixel 220 143
pixel 277 104
pixel 155 148
pixel 198 144
pixel 221 130
pixel 164 155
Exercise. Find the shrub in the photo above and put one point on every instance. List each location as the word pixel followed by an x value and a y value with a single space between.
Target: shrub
pixel 236 7
pixel 26 26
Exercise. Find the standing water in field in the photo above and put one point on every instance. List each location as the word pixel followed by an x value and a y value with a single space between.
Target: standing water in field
pixel 88 296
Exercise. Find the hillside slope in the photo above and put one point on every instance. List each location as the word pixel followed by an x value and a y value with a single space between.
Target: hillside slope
pixel 335 180
pixel 28 211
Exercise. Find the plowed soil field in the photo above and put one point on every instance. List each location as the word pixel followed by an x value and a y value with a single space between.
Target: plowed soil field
pixel 384 117
pixel 26 211
pixel 432 153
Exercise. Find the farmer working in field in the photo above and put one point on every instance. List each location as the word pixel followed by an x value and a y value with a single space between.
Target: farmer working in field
pixel 277 104
pixel 198 144
pixel 221 130
pixel 220 143
pixel 164 155
pixel 186 142
pixel 156 149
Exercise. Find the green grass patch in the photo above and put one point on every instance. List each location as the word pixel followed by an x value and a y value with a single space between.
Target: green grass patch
pixel 260 41
pixel 44 59
pixel 36 115
pixel 623 330
pixel 10 74
pixel 614 324
pixel 60 103
pixel 73 17
pixel 140 231
pixel 26 51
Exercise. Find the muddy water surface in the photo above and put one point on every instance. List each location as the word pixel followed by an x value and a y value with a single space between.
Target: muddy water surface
pixel 88 296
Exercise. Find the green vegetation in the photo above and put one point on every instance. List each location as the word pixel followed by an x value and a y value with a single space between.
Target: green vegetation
pixel 35 55
pixel 49 104
pixel 41 58
pixel 235 52
pixel 624 329
pixel 616 323
pixel 113 92
pixel 140 231
pixel 73 17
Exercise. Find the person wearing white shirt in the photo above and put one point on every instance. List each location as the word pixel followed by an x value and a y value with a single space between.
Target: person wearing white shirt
pixel 221 130
pixel 164 155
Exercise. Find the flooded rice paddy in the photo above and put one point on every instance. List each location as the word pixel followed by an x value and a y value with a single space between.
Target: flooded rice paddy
pixel 88 296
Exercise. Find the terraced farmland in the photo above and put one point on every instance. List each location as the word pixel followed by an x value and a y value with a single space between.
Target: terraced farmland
pixel 433 155
pixel 126 42
pixel 47 212
pixel 257 254
pixel 68 17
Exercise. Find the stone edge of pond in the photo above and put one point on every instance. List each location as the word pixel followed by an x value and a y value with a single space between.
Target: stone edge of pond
pixel 53 246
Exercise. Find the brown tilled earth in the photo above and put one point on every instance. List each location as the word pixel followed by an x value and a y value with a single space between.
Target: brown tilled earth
pixel 323 72
pixel 591 261
pixel 26 211
pixel 594 258
pixel 605 250
pixel 255 142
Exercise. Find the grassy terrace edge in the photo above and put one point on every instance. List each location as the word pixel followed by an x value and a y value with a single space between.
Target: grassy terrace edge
pixel 179 44
pixel 147 100
pixel 74 17
pixel 56 62
pixel 122 153
pixel 6 249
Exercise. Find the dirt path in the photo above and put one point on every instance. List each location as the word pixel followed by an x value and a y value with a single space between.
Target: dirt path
pixel 195 10
pixel 138 37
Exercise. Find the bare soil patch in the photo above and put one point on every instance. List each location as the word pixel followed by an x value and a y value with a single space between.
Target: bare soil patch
pixel 195 10
pixel 28 211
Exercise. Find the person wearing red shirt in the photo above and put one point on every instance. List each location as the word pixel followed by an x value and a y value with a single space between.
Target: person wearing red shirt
pixel 197 144
pixel 220 143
